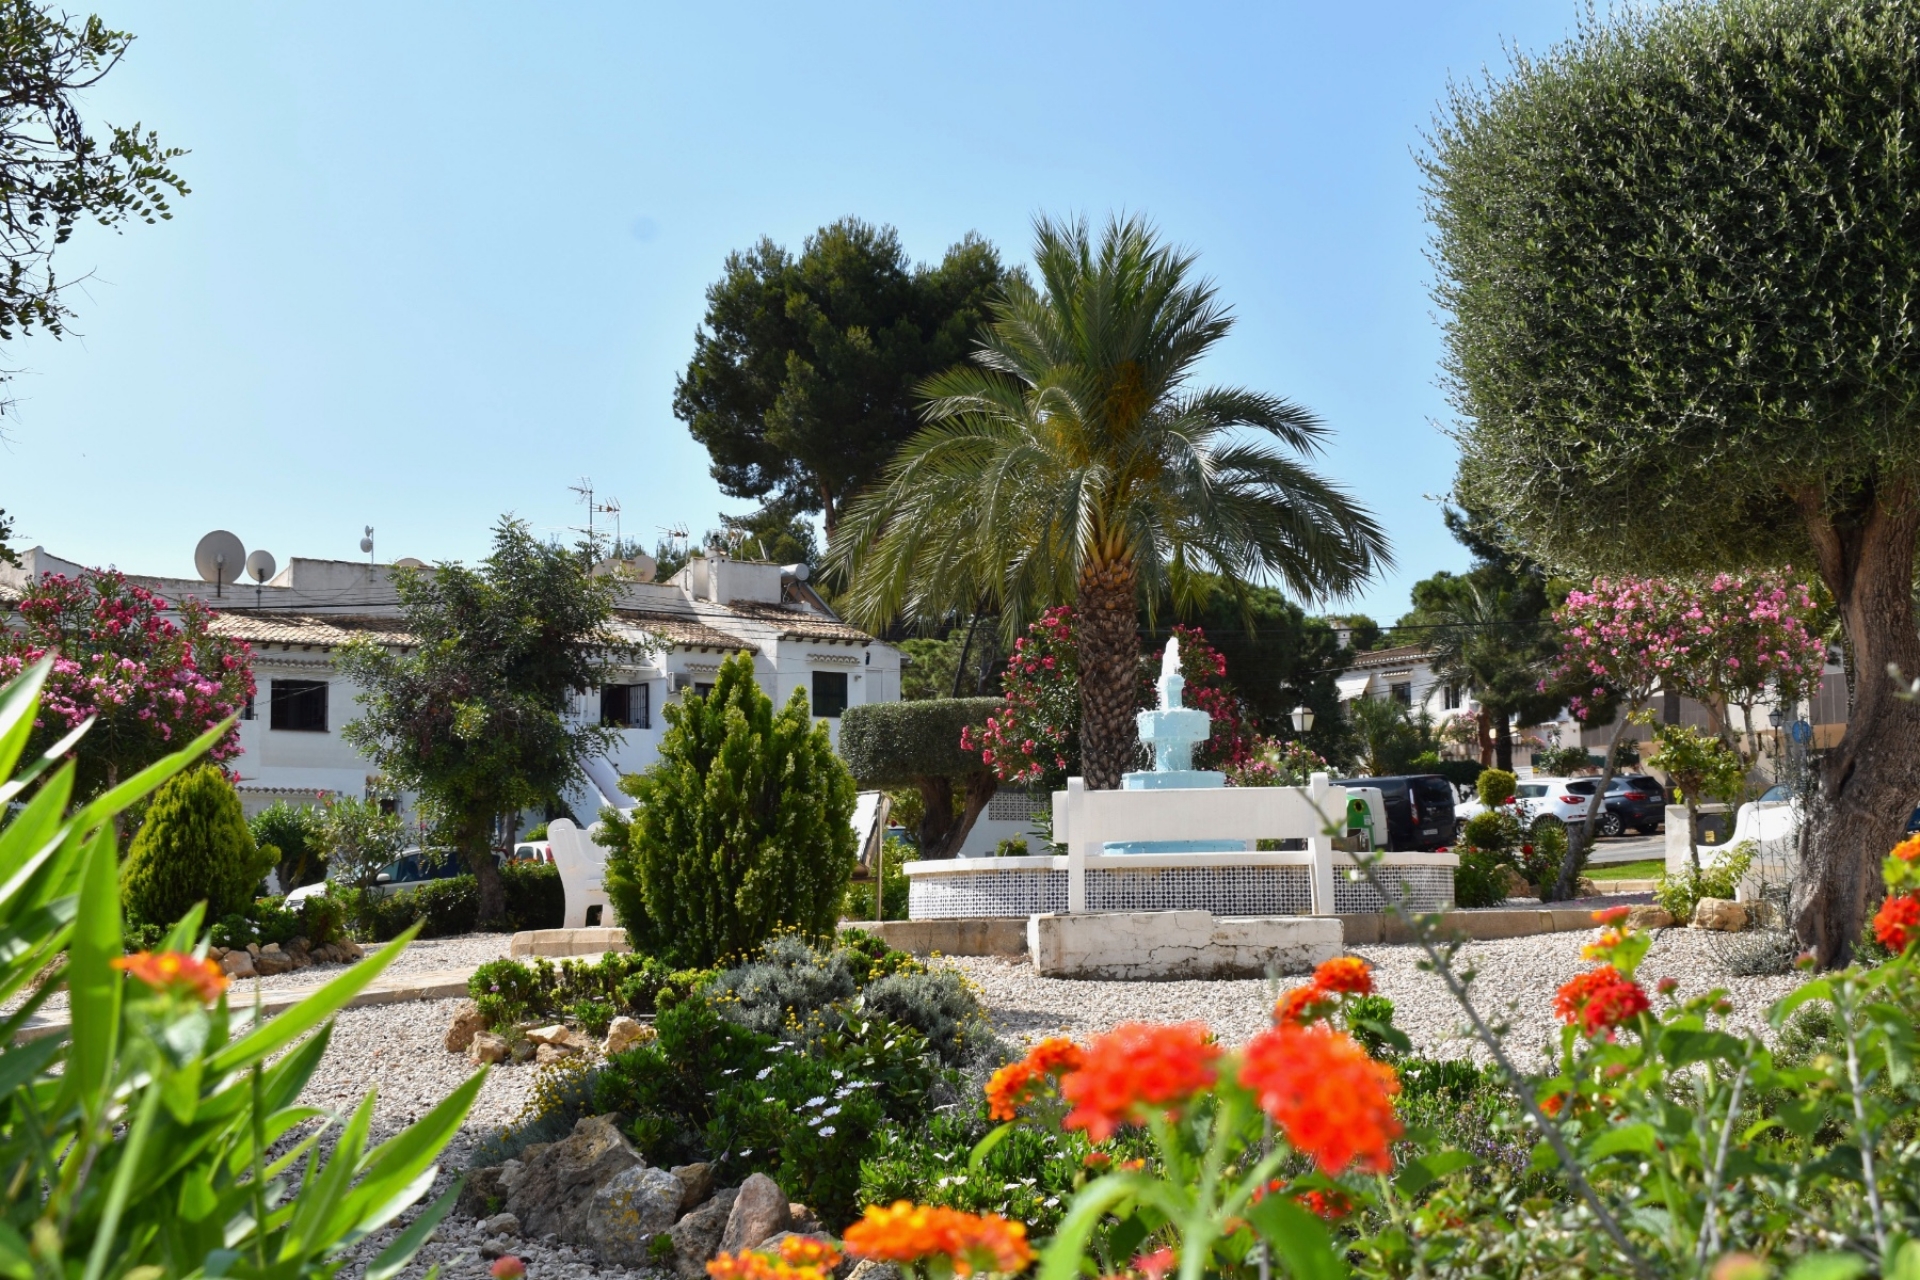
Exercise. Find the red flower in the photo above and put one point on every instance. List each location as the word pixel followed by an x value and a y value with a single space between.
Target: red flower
pixel 1599 1000
pixel 1611 915
pixel 1156 1264
pixel 1301 1006
pixel 1897 923
pixel 175 971
pixel 1134 1067
pixel 1329 1098
pixel 1908 850
pixel 1349 975
pixel 1008 1088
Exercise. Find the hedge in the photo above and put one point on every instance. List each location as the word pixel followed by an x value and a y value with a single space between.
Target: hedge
pixel 895 744
pixel 535 900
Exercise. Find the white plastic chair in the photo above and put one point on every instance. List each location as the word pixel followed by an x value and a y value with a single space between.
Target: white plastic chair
pixel 583 870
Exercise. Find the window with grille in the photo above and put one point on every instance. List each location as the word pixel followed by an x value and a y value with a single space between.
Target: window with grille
pixel 625 706
pixel 298 705
pixel 1401 693
pixel 829 694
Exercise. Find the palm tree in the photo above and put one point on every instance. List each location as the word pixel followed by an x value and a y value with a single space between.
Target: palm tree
pixel 1071 463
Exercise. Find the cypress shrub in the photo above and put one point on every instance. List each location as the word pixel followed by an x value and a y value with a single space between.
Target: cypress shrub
pixel 743 825
pixel 193 846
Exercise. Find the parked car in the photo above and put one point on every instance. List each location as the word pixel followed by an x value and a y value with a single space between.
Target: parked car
pixel 1419 810
pixel 1468 808
pixel 414 867
pixel 532 851
pixel 1634 800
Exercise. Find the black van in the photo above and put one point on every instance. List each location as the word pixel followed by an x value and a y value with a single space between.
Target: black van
pixel 1419 810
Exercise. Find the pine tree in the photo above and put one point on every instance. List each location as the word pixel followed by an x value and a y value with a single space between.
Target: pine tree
pixel 744 826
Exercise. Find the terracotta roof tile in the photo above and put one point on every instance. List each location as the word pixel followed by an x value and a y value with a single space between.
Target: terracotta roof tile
pixel 1399 655
pixel 681 629
pixel 325 630
pixel 798 623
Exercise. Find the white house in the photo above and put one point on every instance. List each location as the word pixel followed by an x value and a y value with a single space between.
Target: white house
pixel 1405 674
pixel 292 747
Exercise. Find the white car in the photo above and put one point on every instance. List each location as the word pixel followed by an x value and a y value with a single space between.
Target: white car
pixel 1528 793
pixel 532 851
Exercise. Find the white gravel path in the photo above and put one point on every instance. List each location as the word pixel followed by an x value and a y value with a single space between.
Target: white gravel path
pixel 1514 985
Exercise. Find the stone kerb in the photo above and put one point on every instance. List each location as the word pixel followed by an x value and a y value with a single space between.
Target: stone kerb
pixel 1167 945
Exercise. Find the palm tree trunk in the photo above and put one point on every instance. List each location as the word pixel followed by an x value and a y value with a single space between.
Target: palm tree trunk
pixel 1106 635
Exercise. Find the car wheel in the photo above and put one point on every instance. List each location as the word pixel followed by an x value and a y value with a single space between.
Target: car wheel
pixel 1610 824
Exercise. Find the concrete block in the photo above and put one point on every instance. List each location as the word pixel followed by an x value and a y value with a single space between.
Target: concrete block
pixel 1149 945
pixel 961 936
pixel 558 944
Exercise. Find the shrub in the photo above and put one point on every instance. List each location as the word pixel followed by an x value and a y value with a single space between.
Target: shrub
pixel 1682 893
pixel 1011 847
pixel 743 825
pixel 1461 773
pixel 1492 831
pixel 535 897
pixel 870 957
pixel 594 1016
pixel 917 744
pixel 787 979
pixel 194 846
pixel 360 838
pixel 1477 881
pixel 1495 787
pixel 506 991
pixel 893 883
pixel 1540 855
pixel 940 1007
pixel 297 831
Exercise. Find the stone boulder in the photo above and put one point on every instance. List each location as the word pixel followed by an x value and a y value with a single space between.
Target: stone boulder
pixel 628 1211
pixel 696 1237
pixel 1513 884
pixel 698 1181
pixel 301 952
pixel 1585 888
pixel 272 960
pixel 623 1033
pixel 759 1210
pixel 553 1191
pixel 238 964
pixel 482 1196
pixel 501 1224
pixel 1648 916
pixel 869 1269
pixel 486 1046
pixel 1722 914
pixel 467 1023
pixel 546 1053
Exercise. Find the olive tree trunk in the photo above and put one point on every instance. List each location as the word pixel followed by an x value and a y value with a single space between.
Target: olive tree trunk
pixel 1869 782
pixel 476 845
pixel 1106 635
pixel 942 831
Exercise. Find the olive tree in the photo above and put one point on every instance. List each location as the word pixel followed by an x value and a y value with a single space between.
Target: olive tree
pixel 917 744
pixel 1679 257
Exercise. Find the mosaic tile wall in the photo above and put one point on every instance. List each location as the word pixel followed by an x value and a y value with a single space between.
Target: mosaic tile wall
pixel 1224 891
pixel 1431 889
pixel 986 893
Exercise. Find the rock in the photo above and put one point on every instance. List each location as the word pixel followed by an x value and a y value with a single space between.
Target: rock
pixel 298 952
pixel 349 950
pixel 623 1033
pixel 501 1224
pixel 555 1034
pixel 1585 888
pixel 512 1174
pixel 523 1050
pixel 628 1211
pixel 760 1210
pixel 1647 916
pixel 696 1237
pixel 488 1047
pixel 238 964
pixel 1513 884
pixel 483 1196
pixel 868 1269
pixel 268 963
pixel 546 1053
pixel 272 948
pixel 554 1190
pixel 467 1023
pixel 325 954
pixel 805 1221
pixel 253 949
pixel 698 1181
pixel 1723 914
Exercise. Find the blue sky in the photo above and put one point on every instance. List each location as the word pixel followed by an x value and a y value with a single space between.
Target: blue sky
pixel 440 261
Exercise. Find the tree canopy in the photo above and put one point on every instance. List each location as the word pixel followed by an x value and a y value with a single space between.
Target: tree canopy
pixel 477 715
pixel 802 380
pixel 1679 256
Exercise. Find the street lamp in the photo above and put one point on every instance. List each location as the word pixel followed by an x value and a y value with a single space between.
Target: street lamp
pixel 1776 718
pixel 1302 719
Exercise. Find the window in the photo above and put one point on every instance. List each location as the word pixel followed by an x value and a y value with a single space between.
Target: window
pixel 701 690
pixel 246 712
pixel 1451 702
pixel 300 705
pixel 625 706
pixel 829 694
pixel 1401 693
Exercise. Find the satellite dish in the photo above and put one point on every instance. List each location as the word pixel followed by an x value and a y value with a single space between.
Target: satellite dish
pixel 219 558
pixel 409 562
pixel 261 566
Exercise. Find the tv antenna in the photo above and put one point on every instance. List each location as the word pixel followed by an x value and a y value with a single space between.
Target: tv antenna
pixel 673 533
pixel 611 507
pixel 219 558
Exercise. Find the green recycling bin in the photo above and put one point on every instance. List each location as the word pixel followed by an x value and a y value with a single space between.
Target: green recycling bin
pixel 1359 825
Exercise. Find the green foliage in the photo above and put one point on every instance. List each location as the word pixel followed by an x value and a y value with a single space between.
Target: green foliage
pixel 895 744
pixel 894 885
pixel 269 920
pixel 297 831
pixel 139 1140
pixel 1680 894
pixel 1701 765
pixel 743 825
pixel 1495 787
pixel 1011 847
pixel 359 838
pixel 1541 854
pixel 804 374
pixel 1388 736
pixel 476 716
pixel 788 979
pixel 940 1007
pixel 594 1016
pixel 1369 1020
pixel 194 846
pixel 507 992
pixel 538 831
pixel 447 908
pixel 512 991
pixel 1477 881
pixel 1558 762
pixel 1494 830
pixel 935 671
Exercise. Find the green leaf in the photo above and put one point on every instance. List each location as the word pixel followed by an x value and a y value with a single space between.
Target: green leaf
pixel 1423 1172
pixel 1061 1260
pixel 1637 1138
pixel 269 1037
pixel 1828 1266
pixel 1681 1046
pixel 398 1254
pixel 1301 1240
pixel 15 1261
pixel 19 701
pixel 985 1146
pixel 1818 989
pixel 94 987
pixel 1906 1262
pixel 402 1157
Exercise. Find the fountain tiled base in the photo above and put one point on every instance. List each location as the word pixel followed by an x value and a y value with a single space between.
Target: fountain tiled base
pixel 1131 946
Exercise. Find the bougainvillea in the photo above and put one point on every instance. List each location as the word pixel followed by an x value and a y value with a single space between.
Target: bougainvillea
pixel 152 683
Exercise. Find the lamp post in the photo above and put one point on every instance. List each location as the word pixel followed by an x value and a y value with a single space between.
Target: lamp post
pixel 1776 718
pixel 1302 718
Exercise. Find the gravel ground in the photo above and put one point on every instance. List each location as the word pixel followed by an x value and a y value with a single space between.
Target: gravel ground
pixel 1515 982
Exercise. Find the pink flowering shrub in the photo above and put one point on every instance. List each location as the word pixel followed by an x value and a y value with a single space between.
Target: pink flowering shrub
pixel 152 684
pixel 1034 740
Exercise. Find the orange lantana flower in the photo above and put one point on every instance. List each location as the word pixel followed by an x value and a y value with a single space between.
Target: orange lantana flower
pixel 1897 922
pixel 1008 1088
pixel 906 1232
pixel 175 971
pixel 1134 1067
pixel 1301 1006
pixel 1908 850
pixel 1611 915
pixel 1348 975
pixel 1599 1000
pixel 1331 1100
